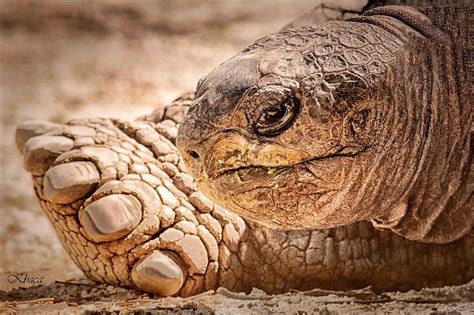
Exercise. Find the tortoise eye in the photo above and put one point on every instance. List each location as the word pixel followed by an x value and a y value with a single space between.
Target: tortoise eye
pixel 277 118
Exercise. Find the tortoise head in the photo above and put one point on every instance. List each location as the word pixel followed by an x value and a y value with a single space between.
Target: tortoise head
pixel 300 130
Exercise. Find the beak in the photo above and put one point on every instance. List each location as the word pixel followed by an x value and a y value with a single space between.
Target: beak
pixel 233 151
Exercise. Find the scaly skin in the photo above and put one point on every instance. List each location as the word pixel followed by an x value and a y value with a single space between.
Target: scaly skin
pixel 94 165
pixel 129 214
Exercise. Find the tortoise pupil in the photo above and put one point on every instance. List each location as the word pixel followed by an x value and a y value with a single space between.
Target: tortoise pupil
pixel 274 114
pixel 277 118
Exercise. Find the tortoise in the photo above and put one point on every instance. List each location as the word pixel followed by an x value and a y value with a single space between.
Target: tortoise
pixel 334 155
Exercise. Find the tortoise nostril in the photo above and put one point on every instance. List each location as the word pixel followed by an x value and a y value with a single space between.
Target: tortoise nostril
pixel 194 154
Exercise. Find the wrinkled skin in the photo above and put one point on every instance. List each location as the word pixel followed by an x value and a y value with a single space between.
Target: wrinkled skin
pixel 128 213
pixel 322 126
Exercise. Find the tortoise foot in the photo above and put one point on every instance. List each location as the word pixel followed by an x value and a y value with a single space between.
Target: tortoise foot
pixel 123 205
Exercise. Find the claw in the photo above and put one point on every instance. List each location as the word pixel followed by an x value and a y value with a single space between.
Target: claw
pixel 160 272
pixel 111 217
pixel 66 183
pixel 40 152
pixel 32 128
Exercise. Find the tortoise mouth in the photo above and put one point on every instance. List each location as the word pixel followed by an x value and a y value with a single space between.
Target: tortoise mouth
pixel 251 173
pixel 243 174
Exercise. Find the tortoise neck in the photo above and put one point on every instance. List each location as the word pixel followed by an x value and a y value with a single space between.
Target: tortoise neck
pixel 425 152
pixel 435 140
pixel 453 20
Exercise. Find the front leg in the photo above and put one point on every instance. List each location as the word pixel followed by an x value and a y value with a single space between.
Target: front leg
pixel 123 206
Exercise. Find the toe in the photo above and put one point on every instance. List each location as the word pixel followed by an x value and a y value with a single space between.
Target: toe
pixel 68 182
pixel 32 128
pixel 40 152
pixel 111 217
pixel 160 272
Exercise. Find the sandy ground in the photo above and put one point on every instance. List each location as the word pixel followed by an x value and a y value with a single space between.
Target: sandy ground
pixel 67 59
pixel 82 296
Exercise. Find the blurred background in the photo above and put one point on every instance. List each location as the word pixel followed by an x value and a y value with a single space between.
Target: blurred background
pixel 68 59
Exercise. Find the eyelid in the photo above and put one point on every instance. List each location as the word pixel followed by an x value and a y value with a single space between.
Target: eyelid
pixel 263 109
pixel 263 95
